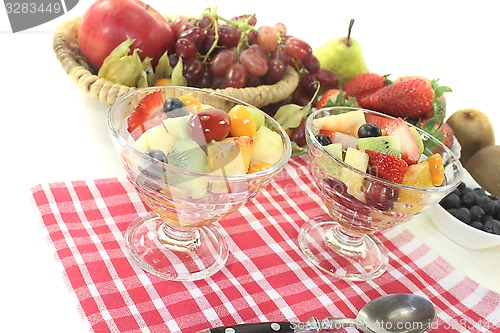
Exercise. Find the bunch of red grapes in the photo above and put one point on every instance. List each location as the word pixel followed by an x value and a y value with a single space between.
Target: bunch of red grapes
pixel 222 53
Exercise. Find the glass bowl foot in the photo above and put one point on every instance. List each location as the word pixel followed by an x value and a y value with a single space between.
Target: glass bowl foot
pixel 339 254
pixel 176 254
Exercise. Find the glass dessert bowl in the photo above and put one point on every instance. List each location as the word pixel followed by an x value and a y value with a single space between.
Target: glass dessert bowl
pixel 193 156
pixel 370 178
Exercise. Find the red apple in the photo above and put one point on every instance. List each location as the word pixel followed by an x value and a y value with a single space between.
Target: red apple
pixel 107 23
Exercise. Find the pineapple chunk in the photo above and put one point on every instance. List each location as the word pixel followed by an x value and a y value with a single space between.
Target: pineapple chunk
pixel 230 156
pixel 354 181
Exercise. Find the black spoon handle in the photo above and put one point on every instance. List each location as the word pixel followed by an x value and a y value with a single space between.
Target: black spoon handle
pixel 270 327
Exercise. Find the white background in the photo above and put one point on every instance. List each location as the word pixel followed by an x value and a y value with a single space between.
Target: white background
pixel 53 132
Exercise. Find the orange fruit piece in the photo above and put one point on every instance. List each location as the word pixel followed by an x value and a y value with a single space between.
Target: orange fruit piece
pixel 418 175
pixel 162 82
pixel 242 122
pixel 259 166
pixel 436 168
pixel 191 102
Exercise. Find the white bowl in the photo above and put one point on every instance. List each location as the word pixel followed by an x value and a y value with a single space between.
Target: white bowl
pixel 460 232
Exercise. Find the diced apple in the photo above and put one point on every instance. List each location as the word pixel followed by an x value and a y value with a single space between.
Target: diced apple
pixel 267 146
pixel 354 181
pixel 155 138
pixel 347 123
pixel 345 140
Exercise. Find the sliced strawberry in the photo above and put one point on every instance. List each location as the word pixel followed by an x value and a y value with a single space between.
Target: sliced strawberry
pixel 386 166
pixel 147 114
pixel 410 98
pixel 364 84
pixel 380 121
pixel 409 146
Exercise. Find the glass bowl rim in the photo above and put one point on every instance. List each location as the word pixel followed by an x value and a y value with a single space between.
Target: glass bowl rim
pixel 248 176
pixel 372 178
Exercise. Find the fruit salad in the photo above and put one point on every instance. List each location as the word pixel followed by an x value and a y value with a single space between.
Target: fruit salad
pixel 373 168
pixel 191 136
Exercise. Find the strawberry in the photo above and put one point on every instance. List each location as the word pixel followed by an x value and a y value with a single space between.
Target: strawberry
pixel 147 114
pixel 386 166
pixel 334 97
pixel 409 98
pixel 409 146
pixel 380 121
pixel 364 84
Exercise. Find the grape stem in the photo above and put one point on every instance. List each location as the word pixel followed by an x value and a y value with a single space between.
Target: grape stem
pixel 242 25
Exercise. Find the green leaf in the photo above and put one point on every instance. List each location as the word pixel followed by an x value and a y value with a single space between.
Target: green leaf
pixel 147 69
pixel 290 115
pixel 177 78
pixel 163 68
pixel 125 70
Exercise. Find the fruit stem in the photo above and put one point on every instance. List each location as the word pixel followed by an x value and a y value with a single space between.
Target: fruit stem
pixel 348 38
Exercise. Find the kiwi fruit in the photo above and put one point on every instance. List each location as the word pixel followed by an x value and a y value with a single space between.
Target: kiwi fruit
pixel 187 155
pixel 473 130
pixel 484 167
pixel 388 144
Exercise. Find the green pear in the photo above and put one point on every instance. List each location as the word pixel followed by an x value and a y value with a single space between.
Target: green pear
pixel 342 56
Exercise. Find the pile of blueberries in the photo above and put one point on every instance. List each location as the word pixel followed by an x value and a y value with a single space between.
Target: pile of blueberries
pixel 475 207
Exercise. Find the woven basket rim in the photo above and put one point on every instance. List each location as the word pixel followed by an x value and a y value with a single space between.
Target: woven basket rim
pixel 65 46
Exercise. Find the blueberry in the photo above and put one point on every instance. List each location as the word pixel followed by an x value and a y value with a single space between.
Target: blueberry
pixel 476 213
pixel 157 154
pixel 369 130
pixel 461 186
pixel 485 203
pixel 463 214
pixel 477 225
pixel 174 108
pixel 492 226
pixel 494 207
pixel 469 198
pixel 480 191
pixel 450 201
pixel 323 139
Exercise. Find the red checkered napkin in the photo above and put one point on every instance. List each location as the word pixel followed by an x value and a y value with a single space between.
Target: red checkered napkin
pixel 266 277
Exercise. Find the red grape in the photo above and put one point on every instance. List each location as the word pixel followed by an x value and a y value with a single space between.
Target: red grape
pixel 193 70
pixel 186 48
pixel 205 22
pixel 297 48
pixel 311 64
pixel 194 34
pixel 267 38
pixel 222 61
pixel 326 79
pixel 177 23
pixel 208 125
pixel 275 72
pixel 229 36
pixel 254 61
pixel 236 76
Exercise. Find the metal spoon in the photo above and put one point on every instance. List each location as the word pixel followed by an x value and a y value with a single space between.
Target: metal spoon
pixel 394 313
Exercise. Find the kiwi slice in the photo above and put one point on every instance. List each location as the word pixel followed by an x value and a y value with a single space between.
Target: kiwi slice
pixel 187 155
pixel 388 144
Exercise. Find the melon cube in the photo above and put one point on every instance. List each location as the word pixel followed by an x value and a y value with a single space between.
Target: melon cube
pixel 347 123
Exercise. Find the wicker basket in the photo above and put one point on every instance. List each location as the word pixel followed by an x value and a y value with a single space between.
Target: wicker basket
pixel 68 53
